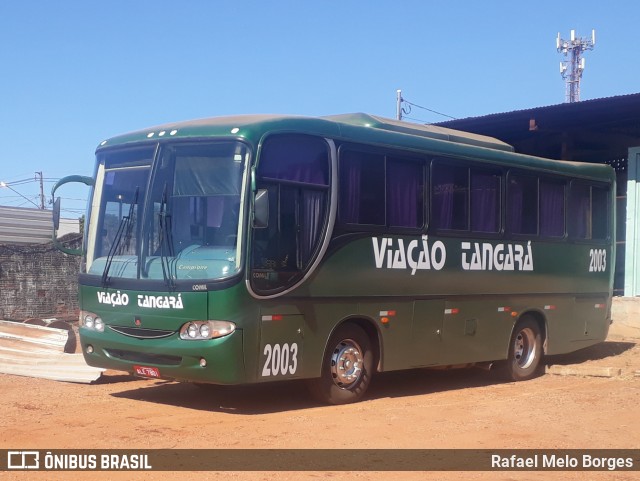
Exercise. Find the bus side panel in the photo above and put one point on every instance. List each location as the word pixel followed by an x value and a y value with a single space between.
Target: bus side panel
pixel 304 325
pixel 591 313
pixel 407 332
pixel 562 328
pixel 426 331
pixel 475 330
pixel 281 348
pixel 394 320
pixel 236 305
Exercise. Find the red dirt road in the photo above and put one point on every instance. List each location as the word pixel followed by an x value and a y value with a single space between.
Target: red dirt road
pixel 412 409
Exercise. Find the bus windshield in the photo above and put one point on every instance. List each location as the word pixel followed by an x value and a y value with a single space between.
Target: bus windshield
pixel 168 212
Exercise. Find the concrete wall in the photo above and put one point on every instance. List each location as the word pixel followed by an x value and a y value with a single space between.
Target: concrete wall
pixel 625 313
pixel 37 280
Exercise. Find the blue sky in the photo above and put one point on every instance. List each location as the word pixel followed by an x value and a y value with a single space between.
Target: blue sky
pixel 73 73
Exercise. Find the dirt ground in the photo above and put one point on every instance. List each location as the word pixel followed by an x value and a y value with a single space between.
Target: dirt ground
pixel 412 409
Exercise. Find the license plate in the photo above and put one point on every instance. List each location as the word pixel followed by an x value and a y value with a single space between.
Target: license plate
pixel 146 371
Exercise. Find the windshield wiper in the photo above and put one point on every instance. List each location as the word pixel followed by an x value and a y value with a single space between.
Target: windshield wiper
pixel 164 234
pixel 126 228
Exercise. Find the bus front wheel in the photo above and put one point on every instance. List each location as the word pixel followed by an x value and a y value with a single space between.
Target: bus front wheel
pixel 347 367
pixel 525 351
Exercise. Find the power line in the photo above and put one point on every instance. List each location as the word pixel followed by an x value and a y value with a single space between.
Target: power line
pixel 7 186
pixel 416 120
pixel 404 109
pixel 427 109
pixel 20 182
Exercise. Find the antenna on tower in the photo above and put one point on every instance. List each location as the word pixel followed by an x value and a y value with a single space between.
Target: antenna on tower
pixel 572 68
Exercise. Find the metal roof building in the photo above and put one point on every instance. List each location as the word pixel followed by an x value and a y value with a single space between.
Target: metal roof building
pixel 20 225
pixel 603 130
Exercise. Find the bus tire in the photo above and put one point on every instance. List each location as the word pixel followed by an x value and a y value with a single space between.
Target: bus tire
pixel 347 367
pixel 525 351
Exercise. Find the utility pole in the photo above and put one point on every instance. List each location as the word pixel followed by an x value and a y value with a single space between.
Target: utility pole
pixel 399 104
pixel 571 69
pixel 39 174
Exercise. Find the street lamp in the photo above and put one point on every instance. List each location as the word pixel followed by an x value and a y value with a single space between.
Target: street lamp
pixel 4 185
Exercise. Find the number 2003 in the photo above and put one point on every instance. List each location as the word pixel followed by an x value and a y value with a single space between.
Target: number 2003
pixel 280 359
pixel 597 260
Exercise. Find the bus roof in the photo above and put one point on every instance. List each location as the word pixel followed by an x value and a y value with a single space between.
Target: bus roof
pixel 360 127
pixel 217 126
pixel 422 130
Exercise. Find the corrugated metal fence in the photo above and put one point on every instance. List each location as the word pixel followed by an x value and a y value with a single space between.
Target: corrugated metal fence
pixel 20 225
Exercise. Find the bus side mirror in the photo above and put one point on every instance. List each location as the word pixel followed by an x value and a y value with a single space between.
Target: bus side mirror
pixel 56 210
pixel 56 214
pixel 261 209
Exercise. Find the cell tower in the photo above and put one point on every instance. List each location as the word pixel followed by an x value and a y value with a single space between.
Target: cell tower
pixel 571 69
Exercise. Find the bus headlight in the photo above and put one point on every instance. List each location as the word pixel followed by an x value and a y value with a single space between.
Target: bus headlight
pixel 205 331
pixel 198 330
pixel 192 330
pixel 98 324
pixel 91 321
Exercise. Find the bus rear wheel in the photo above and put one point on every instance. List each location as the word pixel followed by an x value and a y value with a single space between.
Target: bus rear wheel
pixel 347 367
pixel 525 351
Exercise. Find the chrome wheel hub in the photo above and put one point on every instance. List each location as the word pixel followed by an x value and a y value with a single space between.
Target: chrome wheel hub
pixel 346 364
pixel 524 348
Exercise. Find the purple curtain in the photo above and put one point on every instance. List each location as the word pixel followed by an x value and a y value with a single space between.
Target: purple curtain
pixel 485 190
pixel 579 205
pixel 443 196
pixel 313 202
pixel 350 190
pixel 404 188
pixel 515 206
pixel 296 158
pixel 551 209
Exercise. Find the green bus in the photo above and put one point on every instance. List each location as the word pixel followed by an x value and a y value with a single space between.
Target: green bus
pixel 257 248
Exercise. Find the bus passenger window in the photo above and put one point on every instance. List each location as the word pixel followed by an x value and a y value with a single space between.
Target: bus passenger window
pixel 485 201
pixel 449 197
pixel 551 208
pixel 580 208
pixel 522 205
pixel 600 213
pixel 362 189
pixel 405 204
pixel 589 207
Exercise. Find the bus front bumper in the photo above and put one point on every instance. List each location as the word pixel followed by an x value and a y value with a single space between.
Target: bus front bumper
pixel 216 361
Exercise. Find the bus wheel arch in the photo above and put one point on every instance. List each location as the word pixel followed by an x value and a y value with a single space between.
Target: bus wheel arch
pixel 539 317
pixel 373 332
pixel 348 363
pixel 526 347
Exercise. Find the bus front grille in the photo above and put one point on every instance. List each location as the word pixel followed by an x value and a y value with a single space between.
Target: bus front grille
pixel 141 333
